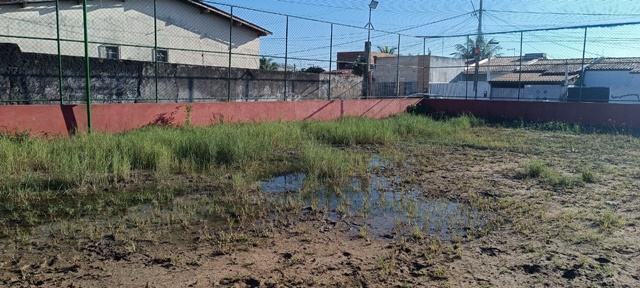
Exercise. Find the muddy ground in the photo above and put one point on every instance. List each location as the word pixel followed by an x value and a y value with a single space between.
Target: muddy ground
pixel 577 227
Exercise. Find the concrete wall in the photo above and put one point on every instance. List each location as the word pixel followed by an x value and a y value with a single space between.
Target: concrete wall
pixel 543 92
pixel 445 69
pixel 460 89
pixel 530 92
pixel 412 73
pixel 30 77
pixel 65 119
pixel 598 114
pixel 625 86
pixel 180 26
pixel 386 69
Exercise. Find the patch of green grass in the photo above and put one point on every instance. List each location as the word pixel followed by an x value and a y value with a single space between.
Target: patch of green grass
pixel 537 169
pixel 557 179
pixel 588 175
pixel 351 131
pixel 609 220
pixel 534 169
pixel 45 179
pixel 326 162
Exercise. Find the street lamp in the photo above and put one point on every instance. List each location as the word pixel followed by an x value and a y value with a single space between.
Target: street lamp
pixel 367 49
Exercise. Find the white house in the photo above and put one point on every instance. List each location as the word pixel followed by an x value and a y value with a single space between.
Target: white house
pixel 552 79
pixel 621 75
pixel 188 31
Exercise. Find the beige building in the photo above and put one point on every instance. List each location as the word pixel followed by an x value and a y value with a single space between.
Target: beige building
pixel 189 32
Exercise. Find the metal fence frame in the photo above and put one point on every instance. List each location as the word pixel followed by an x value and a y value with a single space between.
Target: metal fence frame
pixel 287 54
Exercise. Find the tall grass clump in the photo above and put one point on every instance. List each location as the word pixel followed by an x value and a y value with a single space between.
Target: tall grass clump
pixel 97 158
pixel 327 162
pixel 588 175
pixel 534 169
pixel 537 169
pixel 407 125
pixel 351 131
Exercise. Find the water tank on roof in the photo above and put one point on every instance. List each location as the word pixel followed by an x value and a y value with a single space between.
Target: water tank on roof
pixel 531 56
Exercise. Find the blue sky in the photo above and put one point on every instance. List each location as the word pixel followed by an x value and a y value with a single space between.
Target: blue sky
pixel 309 41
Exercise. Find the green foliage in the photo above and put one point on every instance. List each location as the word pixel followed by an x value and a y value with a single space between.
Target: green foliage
pixel 610 220
pixel 387 49
pixel 351 131
pixel 359 66
pixel 66 177
pixel 466 50
pixel 588 175
pixel 554 126
pixel 326 162
pixel 313 69
pixel 537 169
pixel 268 64
pixel 534 169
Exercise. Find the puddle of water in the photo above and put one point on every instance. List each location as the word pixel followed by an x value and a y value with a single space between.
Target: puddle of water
pixel 285 183
pixel 377 162
pixel 379 204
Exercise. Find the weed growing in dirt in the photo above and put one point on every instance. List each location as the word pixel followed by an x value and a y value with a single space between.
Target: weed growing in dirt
pixel 610 221
pixel 588 175
pixel 537 169
pixel 534 169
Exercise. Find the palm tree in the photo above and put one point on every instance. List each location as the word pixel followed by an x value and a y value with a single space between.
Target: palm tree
pixel 466 51
pixel 268 64
pixel 387 49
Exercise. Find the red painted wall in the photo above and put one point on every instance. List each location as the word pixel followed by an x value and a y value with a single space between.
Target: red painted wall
pixel 61 120
pixel 598 114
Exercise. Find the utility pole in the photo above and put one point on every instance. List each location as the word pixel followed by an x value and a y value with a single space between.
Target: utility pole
pixel 367 52
pixel 477 52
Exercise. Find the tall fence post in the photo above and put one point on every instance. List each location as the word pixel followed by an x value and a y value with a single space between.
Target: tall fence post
pixel 466 71
pixel 330 60
pixel 398 69
pixel 584 50
pixel 286 58
pixel 424 61
pixel 155 45
pixel 59 52
pixel 87 66
pixel 520 69
pixel 230 54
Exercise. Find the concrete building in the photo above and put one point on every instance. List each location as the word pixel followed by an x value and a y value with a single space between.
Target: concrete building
pixel 189 31
pixel 534 77
pixel 621 75
pixel 416 74
pixel 552 79
pixel 542 79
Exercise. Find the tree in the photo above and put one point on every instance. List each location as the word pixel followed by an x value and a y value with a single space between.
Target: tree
pixel 359 65
pixel 268 64
pixel 465 51
pixel 313 69
pixel 387 49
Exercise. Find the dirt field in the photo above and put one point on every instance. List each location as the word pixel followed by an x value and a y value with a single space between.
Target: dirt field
pixel 497 207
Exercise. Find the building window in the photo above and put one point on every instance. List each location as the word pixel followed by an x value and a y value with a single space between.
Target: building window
pixel 162 55
pixel 109 52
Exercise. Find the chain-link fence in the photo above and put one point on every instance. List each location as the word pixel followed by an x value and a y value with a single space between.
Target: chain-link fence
pixel 597 63
pixel 110 51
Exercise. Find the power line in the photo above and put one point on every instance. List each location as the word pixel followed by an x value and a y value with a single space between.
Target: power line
pixel 474 9
pixel 564 13
pixel 434 22
pixel 539 37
